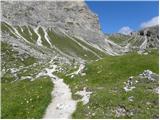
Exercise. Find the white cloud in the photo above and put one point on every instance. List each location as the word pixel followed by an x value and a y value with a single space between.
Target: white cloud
pixel 125 30
pixel 152 22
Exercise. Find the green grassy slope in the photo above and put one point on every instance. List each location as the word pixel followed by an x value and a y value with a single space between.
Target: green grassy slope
pixel 119 39
pixel 22 98
pixel 105 78
pixel 25 99
pixel 68 46
pixel 123 40
pixel 25 33
pixel 100 53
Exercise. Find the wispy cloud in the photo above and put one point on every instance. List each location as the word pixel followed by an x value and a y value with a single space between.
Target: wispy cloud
pixel 125 30
pixel 152 22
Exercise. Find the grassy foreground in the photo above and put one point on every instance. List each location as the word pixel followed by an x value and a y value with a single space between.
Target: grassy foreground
pixel 26 99
pixel 106 77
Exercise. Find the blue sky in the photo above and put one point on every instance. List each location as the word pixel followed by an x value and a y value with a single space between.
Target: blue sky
pixel 114 15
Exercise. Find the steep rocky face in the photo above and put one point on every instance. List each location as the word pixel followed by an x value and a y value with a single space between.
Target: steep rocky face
pixel 65 15
pixel 71 17
pixel 152 36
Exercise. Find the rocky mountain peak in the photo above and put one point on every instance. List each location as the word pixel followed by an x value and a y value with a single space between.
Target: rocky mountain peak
pixel 66 15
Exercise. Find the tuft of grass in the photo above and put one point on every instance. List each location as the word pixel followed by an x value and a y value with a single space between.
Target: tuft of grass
pixel 25 99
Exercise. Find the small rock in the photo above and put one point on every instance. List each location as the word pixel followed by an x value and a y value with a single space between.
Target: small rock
pixel 85 95
pixel 83 74
pixel 136 81
pixel 120 111
pixel 156 90
pixel 130 98
pixel 145 53
pixel 148 74
pixel 148 103
pixel 72 76
pixel 93 114
pixel 140 52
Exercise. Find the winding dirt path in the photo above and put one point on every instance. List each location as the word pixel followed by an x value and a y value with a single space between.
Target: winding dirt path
pixel 62 104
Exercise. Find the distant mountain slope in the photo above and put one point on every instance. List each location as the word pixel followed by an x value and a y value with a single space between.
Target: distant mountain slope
pixel 151 35
pixel 144 39
pixel 119 38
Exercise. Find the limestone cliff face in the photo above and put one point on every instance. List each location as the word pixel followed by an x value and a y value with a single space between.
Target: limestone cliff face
pixel 62 14
pixel 71 17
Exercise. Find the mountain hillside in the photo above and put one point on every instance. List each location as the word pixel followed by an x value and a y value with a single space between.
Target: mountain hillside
pixel 46 43
pixel 72 18
pixel 144 39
